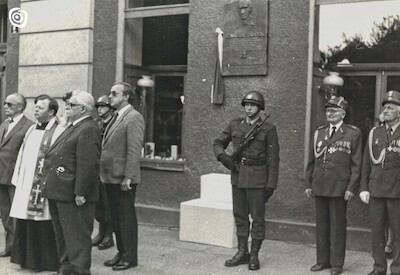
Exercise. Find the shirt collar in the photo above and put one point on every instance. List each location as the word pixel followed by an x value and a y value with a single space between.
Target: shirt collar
pixel 123 110
pixel 338 125
pixel 80 119
pixel 17 118
pixel 394 127
pixel 251 122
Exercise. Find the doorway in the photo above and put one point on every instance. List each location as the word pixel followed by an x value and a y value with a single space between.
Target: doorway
pixel 364 91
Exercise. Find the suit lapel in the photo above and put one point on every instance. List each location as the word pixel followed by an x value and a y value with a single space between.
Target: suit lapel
pixel 2 132
pixel 14 130
pixel 114 125
pixel 65 134
pixel 395 135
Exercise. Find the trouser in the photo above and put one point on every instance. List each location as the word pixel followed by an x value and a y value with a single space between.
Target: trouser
pixel 331 230
pixel 124 221
pixel 381 211
pixel 249 201
pixel 102 214
pixel 73 226
pixel 6 198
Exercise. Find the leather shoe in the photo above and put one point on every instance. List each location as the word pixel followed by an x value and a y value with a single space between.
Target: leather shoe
pixel 106 243
pixel 123 266
pixel 113 261
pixel 336 270
pixel 319 267
pixel 373 272
pixel 97 239
pixel 5 253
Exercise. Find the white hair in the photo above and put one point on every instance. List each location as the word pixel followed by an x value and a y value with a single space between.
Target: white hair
pixel 84 98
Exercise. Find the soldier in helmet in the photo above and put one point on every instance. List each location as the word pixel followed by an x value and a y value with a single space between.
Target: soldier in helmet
pixel 253 180
pixel 332 177
pixel 380 183
pixel 104 238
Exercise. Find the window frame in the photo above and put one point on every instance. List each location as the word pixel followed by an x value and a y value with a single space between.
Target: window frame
pixel 160 70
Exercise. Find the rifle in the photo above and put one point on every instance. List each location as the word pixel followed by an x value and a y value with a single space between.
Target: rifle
pixel 247 139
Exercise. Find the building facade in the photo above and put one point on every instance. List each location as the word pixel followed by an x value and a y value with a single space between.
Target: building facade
pixel 91 44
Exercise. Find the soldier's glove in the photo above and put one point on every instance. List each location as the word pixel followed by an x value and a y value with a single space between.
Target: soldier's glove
pixel 268 192
pixel 228 162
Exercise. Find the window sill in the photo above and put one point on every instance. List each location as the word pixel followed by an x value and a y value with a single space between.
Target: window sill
pixel 163 164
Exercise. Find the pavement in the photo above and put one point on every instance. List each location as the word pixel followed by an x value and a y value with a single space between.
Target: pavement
pixel 161 252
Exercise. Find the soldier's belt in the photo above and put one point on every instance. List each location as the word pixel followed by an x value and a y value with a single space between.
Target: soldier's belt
pixel 253 162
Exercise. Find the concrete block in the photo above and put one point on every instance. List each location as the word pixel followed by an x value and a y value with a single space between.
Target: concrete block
pixel 51 15
pixel 56 47
pixel 54 80
pixel 209 223
pixel 216 188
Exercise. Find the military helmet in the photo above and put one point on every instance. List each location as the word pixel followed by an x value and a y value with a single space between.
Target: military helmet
pixel 255 98
pixel 103 101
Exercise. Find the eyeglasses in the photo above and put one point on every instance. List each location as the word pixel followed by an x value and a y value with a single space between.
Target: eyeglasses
pixel 9 104
pixel 71 105
pixel 114 93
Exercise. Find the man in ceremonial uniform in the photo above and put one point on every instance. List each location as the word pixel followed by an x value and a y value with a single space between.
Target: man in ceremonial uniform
pixel 254 179
pixel 332 177
pixel 380 183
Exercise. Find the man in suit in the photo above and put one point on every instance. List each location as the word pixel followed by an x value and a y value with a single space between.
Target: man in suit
pixel 253 180
pixel 120 171
pixel 380 183
pixel 12 132
pixel 72 184
pixel 332 177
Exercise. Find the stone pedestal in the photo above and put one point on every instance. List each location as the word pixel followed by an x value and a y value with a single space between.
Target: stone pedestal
pixel 209 219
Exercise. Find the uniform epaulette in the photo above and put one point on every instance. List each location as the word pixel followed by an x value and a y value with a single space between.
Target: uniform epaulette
pixel 352 127
pixel 322 127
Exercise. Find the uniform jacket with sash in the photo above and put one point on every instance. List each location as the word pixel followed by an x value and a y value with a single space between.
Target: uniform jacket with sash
pixel 381 164
pixel 121 148
pixel 9 147
pixel 73 163
pixel 335 165
pixel 263 149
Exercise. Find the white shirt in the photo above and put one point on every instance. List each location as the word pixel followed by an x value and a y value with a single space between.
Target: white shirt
pixel 394 127
pixel 123 110
pixel 337 127
pixel 12 124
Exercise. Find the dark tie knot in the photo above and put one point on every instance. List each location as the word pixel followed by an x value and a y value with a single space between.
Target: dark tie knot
pixel 390 131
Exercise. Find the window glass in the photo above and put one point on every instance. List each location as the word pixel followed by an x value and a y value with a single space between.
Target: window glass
pixel 165 40
pixel 148 3
pixel 167 125
pixel 364 32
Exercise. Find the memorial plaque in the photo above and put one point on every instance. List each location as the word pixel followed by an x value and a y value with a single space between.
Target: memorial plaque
pixel 245 38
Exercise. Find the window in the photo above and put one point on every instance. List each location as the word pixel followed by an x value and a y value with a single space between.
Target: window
pixel 149 3
pixel 3 27
pixel 156 44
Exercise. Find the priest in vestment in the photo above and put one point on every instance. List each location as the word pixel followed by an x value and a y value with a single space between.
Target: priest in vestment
pixel 34 244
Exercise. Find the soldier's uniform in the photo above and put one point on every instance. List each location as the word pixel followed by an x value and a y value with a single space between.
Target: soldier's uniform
pixel 381 177
pixel 258 170
pixel 333 168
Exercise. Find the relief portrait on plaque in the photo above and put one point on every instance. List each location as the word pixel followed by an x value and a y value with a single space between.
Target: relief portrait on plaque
pixel 245 38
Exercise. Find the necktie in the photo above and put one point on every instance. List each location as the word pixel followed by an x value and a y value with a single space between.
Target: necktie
pixel 333 132
pixel 389 131
pixel 8 121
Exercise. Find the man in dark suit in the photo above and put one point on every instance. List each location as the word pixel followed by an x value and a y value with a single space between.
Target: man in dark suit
pixel 120 171
pixel 72 184
pixel 12 132
pixel 380 183
pixel 254 180
pixel 332 177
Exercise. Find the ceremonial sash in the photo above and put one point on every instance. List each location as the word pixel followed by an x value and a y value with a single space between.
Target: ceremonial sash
pixel 382 155
pixel 36 200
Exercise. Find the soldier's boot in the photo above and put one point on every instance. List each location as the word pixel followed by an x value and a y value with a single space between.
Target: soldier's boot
pixel 242 256
pixel 254 263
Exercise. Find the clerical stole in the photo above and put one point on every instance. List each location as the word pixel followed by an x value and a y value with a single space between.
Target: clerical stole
pixel 36 200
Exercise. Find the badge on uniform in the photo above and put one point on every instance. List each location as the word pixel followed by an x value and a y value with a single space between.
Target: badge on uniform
pixel 60 169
